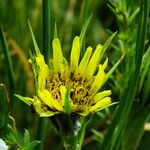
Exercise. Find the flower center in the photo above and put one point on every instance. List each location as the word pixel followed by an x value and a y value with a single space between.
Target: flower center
pixel 80 87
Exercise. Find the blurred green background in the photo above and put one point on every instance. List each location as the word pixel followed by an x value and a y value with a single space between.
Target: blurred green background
pixel 68 15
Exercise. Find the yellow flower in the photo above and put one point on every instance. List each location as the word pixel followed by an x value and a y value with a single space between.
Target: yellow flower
pixel 70 87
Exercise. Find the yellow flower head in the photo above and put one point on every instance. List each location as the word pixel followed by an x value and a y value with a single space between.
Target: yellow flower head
pixel 72 87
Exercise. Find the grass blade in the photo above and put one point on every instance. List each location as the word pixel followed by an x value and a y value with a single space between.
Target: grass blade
pixel 121 115
pixel 3 110
pixel 42 123
pixel 9 65
pixel 46 29
pixel 84 19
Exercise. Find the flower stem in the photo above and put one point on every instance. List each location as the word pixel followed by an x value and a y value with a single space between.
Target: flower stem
pixel 72 131
pixel 46 51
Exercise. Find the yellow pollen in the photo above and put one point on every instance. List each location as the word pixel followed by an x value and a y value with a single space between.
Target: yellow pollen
pixel 80 87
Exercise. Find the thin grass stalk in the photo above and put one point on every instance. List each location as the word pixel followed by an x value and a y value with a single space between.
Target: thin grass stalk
pixel 4 110
pixel 42 123
pixel 84 19
pixel 9 65
pixel 121 115
pixel 46 29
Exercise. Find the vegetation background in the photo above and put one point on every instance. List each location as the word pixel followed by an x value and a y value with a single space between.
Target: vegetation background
pixel 127 123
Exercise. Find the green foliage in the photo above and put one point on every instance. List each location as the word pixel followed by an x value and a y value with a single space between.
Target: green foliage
pixel 118 127
pixel 15 141
pixel 3 110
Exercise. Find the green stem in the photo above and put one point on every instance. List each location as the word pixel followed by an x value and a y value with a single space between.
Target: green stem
pixel 84 19
pixel 74 140
pixel 42 123
pixel 46 29
pixel 72 131
pixel 46 52
pixel 121 116
pixel 8 65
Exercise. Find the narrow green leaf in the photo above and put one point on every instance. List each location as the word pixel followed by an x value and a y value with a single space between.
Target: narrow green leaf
pixel 113 69
pixel 47 36
pixel 36 48
pixel 67 105
pixel 84 28
pixel 135 128
pixel 27 100
pixel 144 68
pixel 26 139
pixel 132 17
pixel 106 44
pixel 99 136
pixel 9 65
pixel 31 145
pixel 120 118
pixel 3 110
pixel 84 19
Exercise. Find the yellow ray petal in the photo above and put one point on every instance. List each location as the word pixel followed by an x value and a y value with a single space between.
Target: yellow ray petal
pixel 102 103
pixel 101 95
pixel 105 63
pixel 57 105
pixel 38 106
pixel 57 55
pixel 94 61
pixel 98 80
pixel 48 113
pixel 40 110
pixel 84 113
pixel 85 60
pixel 75 53
pixel 43 71
pixel 46 97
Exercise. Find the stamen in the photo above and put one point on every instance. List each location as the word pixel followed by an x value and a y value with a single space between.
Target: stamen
pixel 79 88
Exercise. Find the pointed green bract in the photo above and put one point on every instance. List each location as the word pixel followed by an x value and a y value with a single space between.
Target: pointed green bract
pixel 35 71
pixel 106 44
pixel 27 100
pixel 113 69
pixel 36 48
pixel 67 104
pixel 84 29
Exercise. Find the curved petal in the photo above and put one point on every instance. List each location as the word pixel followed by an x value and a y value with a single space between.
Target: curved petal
pixel 57 105
pixel 105 63
pixel 101 95
pixel 43 71
pixel 94 61
pixel 85 60
pixel 46 97
pixel 75 53
pixel 57 55
pixel 40 110
pixel 98 80
pixel 102 103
